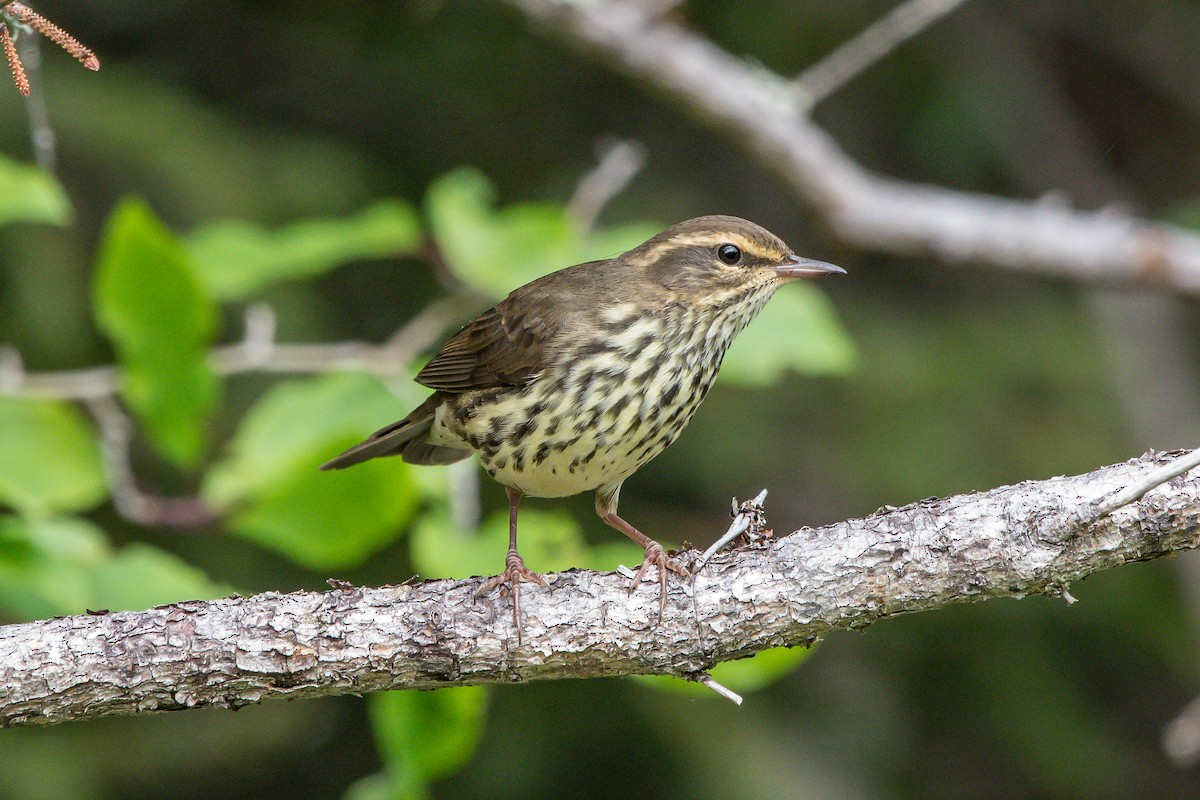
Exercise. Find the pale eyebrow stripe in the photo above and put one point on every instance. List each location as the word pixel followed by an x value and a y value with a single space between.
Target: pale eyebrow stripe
pixel 748 246
pixel 707 239
pixel 712 240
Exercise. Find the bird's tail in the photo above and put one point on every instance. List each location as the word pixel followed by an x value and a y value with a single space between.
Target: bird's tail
pixel 407 438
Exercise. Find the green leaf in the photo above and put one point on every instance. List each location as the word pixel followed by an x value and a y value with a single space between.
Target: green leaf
pixel 549 540
pixel 742 676
pixel 162 321
pixel 496 251
pixel 45 565
pixel 330 520
pixel 28 194
pixel 799 331
pixel 432 734
pixel 295 422
pixel 270 484
pixel 49 458
pixel 66 565
pixel 237 259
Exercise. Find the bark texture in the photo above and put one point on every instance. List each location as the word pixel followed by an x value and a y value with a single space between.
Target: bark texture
pixel 1035 537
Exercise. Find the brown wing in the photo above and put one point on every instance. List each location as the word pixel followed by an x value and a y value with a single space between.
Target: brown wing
pixel 508 345
pixel 496 349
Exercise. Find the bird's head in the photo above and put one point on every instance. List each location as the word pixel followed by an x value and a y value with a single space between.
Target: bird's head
pixel 719 256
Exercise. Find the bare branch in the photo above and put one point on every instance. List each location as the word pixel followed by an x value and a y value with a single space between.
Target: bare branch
pixel 41 132
pixel 748 523
pixel 143 508
pixel 619 162
pixel 258 352
pixel 786 591
pixel 707 680
pixel 1152 480
pixel 882 37
pixel 868 210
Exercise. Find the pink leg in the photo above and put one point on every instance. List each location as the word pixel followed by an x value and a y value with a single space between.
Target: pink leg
pixel 515 570
pixel 606 507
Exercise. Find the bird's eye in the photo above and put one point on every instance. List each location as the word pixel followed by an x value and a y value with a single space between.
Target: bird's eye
pixel 729 253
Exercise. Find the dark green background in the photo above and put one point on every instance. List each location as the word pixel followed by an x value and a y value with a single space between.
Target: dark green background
pixel 968 377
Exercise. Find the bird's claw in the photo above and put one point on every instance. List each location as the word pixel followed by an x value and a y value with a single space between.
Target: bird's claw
pixel 510 583
pixel 657 557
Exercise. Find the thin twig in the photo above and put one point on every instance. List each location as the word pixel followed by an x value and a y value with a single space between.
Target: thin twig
pixel 1151 480
pixel 1131 492
pixel 77 384
pixel 142 508
pixel 736 529
pixel 707 680
pixel 258 341
pixel 618 163
pixel 116 434
pixel 747 514
pixel 258 352
pixel 862 208
pixel 41 133
pixel 854 56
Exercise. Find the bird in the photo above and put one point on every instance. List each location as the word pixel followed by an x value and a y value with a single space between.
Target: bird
pixel 579 378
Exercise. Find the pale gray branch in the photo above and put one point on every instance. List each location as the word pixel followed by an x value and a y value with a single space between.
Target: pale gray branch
pixel 135 505
pixel 707 680
pixel 880 38
pixel 1151 480
pixel 619 163
pixel 865 209
pixel 790 591
pixel 258 352
pixel 41 132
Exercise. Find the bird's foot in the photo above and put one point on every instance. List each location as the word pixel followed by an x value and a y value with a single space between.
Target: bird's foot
pixel 510 582
pixel 657 557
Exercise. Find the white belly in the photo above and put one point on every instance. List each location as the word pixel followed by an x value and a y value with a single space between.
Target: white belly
pixel 593 423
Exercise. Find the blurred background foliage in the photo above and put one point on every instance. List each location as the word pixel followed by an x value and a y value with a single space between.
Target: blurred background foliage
pixel 352 168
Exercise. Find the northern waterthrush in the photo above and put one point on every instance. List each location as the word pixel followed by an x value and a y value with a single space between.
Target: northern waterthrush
pixel 577 379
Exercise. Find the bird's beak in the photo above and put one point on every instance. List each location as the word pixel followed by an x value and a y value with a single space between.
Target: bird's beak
pixel 797 267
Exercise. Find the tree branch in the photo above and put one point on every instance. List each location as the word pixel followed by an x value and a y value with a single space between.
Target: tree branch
pixel 762 111
pixel 257 353
pixel 867 48
pixel 1032 538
